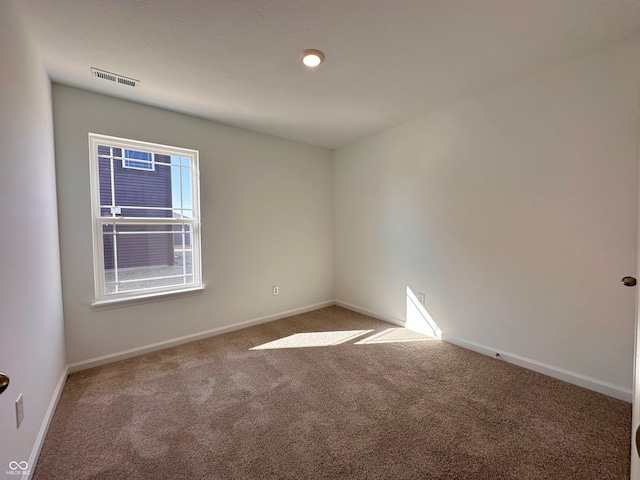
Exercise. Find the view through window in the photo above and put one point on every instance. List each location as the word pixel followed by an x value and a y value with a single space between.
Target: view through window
pixel 145 203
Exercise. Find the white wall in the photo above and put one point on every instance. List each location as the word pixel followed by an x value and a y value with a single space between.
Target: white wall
pixel 267 219
pixel 514 212
pixel 31 319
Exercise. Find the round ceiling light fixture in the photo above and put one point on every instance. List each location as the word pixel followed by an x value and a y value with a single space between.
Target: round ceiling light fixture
pixel 312 57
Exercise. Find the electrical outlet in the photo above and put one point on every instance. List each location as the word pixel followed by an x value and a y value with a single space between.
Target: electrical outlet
pixel 19 411
pixel 276 290
pixel 421 298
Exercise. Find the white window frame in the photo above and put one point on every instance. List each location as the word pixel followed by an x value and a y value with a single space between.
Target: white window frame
pixel 99 221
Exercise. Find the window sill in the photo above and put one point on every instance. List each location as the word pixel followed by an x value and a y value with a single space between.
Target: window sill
pixel 146 298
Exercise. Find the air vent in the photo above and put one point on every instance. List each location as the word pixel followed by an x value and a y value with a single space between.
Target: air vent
pixel 114 77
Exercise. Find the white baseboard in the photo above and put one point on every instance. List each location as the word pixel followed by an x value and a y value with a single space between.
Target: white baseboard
pixel 364 311
pixel 615 391
pixel 134 352
pixel 44 428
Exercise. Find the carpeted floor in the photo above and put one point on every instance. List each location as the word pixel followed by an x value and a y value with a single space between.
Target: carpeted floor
pixel 368 401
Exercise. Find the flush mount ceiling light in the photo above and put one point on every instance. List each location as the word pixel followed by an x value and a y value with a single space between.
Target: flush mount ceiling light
pixel 312 58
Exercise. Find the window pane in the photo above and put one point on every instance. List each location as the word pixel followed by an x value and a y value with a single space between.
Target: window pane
pixel 104 169
pixel 146 256
pixel 181 177
pixel 186 189
pixel 134 188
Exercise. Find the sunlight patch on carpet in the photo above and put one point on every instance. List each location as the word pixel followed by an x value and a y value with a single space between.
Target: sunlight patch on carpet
pixel 313 339
pixel 392 335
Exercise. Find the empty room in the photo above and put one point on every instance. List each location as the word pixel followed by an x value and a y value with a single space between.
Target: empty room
pixel 251 239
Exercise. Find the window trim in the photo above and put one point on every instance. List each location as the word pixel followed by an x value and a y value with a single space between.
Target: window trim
pixel 97 221
pixel 148 298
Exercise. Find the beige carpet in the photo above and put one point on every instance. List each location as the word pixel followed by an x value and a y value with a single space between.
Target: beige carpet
pixel 363 402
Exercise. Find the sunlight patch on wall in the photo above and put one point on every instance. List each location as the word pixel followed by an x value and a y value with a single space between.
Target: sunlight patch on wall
pixel 418 319
pixel 313 339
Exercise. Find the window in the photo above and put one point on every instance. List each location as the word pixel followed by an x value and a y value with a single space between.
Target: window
pixel 139 160
pixel 146 218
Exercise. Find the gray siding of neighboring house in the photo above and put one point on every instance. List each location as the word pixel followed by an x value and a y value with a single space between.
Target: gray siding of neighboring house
pixel 142 188
pixel 177 237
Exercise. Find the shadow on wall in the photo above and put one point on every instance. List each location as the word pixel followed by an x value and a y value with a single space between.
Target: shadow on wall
pixel 418 319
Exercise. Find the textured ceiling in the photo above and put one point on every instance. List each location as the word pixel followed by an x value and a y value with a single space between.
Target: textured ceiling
pixel 237 61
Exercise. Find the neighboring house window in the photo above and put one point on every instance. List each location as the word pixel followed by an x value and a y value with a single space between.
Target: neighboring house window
pixel 146 218
pixel 139 160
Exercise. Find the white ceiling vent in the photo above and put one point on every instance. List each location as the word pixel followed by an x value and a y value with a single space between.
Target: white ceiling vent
pixel 114 77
